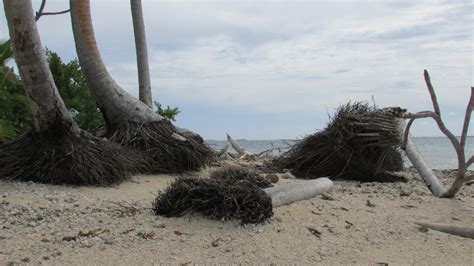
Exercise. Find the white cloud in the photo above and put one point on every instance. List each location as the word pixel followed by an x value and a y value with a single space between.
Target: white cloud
pixel 301 57
pixel 318 68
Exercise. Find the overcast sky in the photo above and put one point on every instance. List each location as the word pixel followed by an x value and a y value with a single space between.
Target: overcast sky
pixel 271 70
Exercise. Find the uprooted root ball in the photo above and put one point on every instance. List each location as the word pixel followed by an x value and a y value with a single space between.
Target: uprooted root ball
pixel 57 156
pixel 237 174
pixel 359 143
pixel 165 150
pixel 216 199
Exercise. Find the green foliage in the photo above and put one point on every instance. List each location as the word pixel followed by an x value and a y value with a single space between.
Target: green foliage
pixel 73 89
pixel 15 114
pixel 14 109
pixel 6 52
pixel 168 113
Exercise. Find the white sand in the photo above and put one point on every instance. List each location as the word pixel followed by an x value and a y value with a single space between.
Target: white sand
pixel 34 219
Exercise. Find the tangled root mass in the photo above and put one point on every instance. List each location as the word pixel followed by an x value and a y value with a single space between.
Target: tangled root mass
pixel 359 143
pixel 163 148
pixel 235 174
pixel 57 156
pixel 215 198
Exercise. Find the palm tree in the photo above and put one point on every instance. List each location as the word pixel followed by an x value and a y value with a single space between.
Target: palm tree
pixel 144 82
pixel 56 150
pixel 129 121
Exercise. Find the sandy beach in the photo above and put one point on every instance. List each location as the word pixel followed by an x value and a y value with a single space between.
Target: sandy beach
pixel 356 223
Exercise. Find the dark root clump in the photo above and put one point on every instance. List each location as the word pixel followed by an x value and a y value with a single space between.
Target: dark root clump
pixel 165 150
pixel 58 156
pixel 359 143
pixel 216 199
pixel 236 174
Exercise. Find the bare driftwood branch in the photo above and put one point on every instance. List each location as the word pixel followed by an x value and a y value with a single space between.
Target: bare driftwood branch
pixel 236 146
pixel 41 12
pixel 407 133
pixel 296 191
pixel 467 232
pixel 223 150
pixel 431 90
pixel 433 183
pixel 470 161
pixel 269 152
pixel 428 176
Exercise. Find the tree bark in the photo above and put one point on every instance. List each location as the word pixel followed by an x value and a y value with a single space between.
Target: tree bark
pixel 296 191
pixel 144 82
pixel 116 104
pixel 47 107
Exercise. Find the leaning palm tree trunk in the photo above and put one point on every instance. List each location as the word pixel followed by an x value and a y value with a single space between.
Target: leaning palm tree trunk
pixel 129 121
pixel 115 103
pixel 144 83
pixel 55 150
pixel 47 107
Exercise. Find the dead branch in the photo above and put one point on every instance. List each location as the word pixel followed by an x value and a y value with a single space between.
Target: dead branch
pixel 269 152
pixel 431 90
pixel 469 162
pixel 406 135
pixel 433 183
pixel 223 150
pixel 41 12
pixel 236 146
pixel 467 119
pixel 467 232
pixel 296 191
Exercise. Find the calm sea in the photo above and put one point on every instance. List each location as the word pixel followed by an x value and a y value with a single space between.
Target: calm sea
pixel 437 151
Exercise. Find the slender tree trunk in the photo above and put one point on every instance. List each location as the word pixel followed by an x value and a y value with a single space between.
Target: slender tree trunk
pixel 55 151
pixel 116 104
pixel 144 82
pixel 46 105
pixel 131 122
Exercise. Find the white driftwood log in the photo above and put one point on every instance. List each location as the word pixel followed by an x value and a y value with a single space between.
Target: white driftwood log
pixel 236 146
pixel 296 191
pixel 431 180
pixel 449 229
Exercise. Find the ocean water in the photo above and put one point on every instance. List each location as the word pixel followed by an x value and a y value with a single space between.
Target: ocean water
pixel 437 151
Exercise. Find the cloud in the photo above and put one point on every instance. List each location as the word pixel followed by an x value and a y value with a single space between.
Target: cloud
pixel 313 70
pixel 297 60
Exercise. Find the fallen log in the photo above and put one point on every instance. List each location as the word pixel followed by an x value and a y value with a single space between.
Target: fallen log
pixel 296 191
pixel 467 232
pixel 236 146
pixel 431 180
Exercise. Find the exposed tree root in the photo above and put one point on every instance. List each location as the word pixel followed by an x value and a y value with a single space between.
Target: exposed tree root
pixel 359 143
pixel 235 174
pixel 57 156
pixel 216 199
pixel 165 150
